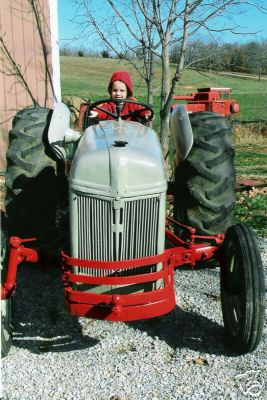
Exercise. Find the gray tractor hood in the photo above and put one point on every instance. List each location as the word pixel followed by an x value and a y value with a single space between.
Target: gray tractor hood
pixel 118 159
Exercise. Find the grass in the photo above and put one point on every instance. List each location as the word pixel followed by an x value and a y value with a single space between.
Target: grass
pixel 85 78
pixel 251 152
pixel 251 163
pixel 251 208
pixel 88 77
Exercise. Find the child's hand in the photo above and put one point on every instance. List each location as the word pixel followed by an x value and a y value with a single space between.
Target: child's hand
pixel 147 115
pixel 145 118
pixel 93 114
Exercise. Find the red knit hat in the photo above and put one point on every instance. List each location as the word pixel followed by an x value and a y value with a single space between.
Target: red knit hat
pixel 124 77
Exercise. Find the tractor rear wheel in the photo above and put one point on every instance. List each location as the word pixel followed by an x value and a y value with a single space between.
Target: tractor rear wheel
pixel 242 289
pixel 6 304
pixel 31 197
pixel 204 182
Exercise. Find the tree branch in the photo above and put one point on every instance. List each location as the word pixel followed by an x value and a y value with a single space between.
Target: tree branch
pixel 17 72
pixel 36 12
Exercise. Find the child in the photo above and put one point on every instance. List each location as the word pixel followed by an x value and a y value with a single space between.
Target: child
pixel 121 87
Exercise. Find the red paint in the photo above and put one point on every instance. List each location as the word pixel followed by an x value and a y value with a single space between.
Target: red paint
pixel 210 99
pixel 116 306
pixel 18 254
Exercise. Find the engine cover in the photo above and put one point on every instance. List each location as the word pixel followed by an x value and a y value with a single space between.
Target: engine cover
pixel 118 188
pixel 119 159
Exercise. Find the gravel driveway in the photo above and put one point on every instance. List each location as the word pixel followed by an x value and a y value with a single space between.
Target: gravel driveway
pixel 177 356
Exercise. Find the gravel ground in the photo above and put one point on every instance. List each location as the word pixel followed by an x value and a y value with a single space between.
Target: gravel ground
pixel 177 356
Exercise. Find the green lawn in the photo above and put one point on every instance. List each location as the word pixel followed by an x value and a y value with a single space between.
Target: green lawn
pixel 251 206
pixel 251 163
pixel 88 77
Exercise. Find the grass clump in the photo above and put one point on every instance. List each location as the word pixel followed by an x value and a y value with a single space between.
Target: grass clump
pixel 251 208
pixel 249 135
pixel 251 152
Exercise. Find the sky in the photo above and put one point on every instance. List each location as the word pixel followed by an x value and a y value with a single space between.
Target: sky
pixel 251 20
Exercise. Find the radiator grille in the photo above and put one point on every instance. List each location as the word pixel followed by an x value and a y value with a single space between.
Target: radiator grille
pixel 110 231
pixel 140 228
pixel 95 239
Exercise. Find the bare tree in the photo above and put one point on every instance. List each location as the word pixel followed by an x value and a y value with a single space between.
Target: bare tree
pixel 176 21
pixel 255 57
pixel 136 46
pixel 10 64
pixel 12 68
pixel 25 63
pixel 152 27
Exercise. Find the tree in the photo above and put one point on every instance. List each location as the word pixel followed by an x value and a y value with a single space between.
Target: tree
pixel 176 22
pixel 124 30
pixel 255 54
pixel 105 54
pixel 151 27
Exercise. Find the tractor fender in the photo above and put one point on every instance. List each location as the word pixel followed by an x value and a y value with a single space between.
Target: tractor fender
pixel 182 133
pixel 59 132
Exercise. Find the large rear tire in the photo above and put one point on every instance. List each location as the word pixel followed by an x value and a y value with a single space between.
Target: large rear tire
pixel 6 305
pixel 31 198
pixel 242 289
pixel 204 182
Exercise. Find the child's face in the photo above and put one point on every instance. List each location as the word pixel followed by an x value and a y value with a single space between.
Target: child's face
pixel 118 90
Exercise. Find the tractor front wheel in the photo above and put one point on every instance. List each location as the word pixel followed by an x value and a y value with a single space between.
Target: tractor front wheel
pixel 242 289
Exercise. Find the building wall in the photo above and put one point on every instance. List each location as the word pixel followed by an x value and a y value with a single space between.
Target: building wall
pixel 25 61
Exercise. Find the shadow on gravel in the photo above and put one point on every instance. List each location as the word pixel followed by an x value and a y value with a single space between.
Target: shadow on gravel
pixel 185 329
pixel 40 321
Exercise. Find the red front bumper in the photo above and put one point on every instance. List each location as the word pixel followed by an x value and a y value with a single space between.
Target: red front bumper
pixel 113 304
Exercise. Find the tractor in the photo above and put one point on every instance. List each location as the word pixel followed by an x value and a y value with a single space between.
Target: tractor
pixel 210 99
pixel 101 197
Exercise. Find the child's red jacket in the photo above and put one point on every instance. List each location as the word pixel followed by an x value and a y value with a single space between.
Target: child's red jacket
pixel 124 77
pixel 127 108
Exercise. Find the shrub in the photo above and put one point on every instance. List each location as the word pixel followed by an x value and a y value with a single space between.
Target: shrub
pixel 249 134
pixel 105 54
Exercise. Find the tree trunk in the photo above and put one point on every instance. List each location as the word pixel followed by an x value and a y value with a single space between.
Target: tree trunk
pixel 259 75
pixel 165 89
pixel 164 136
pixel 150 96
pixel 168 89
pixel 150 74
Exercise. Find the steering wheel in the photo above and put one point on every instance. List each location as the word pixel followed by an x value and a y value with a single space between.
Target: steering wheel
pixel 119 106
